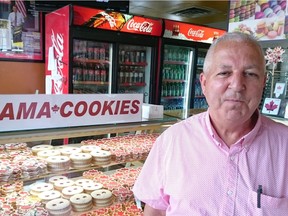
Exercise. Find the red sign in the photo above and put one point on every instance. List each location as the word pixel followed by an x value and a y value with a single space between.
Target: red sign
pixel 116 21
pixel 57 51
pixel 185 31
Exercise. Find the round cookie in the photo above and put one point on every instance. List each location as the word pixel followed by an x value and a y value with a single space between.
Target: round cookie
pixel 58 163
pixel 89 148
pixel 59 207
pixel 101 157
pixel 102 198
pixel 38 188
pixel 89 188
pixel 54 179
pixel 70 191
pixel 61 184
pixel 46 196
pixel 36 149
pixel 80 160
pixel 68 150
pixel 82 182
pixel 48 153
pixel 81 202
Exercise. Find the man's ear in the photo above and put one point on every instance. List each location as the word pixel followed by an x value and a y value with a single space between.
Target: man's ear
pixel 202 79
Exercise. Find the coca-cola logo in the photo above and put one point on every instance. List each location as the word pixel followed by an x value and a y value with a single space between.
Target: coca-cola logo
pixel 196 33
pixel 145 27
pixel 109 18
pixel 58 45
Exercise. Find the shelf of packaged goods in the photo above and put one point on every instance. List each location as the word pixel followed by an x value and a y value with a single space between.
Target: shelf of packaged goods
pixel 132 84
pixel 93 130
pixel 78 172
pixel 173 81
pixel 96 61
pixel 175 62
pixel 143 64
pixel 90 83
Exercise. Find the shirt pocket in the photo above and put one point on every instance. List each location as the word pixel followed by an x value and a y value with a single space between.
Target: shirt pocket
pixel 269 205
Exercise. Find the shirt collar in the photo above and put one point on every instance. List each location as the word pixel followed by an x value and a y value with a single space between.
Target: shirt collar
pixel 245 141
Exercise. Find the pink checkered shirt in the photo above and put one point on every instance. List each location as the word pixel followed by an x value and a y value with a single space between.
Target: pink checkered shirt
pixel 190 171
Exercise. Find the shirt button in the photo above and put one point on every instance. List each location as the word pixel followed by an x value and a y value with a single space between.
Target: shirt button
pixel 229 192
pixel 232 158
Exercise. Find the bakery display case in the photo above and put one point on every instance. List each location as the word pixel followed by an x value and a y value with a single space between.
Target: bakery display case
pixel 41 179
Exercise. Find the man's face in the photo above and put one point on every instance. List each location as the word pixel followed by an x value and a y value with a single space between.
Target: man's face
pixel 14 8
pixel 234 82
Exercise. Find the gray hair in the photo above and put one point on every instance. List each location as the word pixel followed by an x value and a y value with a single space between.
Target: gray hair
pixel 231 37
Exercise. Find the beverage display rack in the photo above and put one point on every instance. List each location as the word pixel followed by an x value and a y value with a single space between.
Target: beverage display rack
pixel 199 98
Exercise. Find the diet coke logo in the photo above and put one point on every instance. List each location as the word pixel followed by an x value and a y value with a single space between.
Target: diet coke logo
pixel 145 26
pixel 196 33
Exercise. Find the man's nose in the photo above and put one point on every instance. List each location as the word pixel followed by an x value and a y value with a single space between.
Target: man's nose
pixel 237 82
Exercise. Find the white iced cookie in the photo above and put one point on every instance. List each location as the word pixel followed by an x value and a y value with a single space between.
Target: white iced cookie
pixel 81 202
pixel 54 179
pixel 70 150
pixel 47 153
pixel 46 196
pixel 59 206
pixel 36 149
pixel 102 197
pixel 72 190
pixel 89 148
pixel 61 184
pixel 38 188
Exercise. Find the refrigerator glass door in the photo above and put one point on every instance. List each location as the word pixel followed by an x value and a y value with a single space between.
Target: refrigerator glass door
pixel 92 69
pixel 199 98
pixel 134 70
pixel 176 78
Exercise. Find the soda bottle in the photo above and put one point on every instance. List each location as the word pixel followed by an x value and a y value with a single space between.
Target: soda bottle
pixel 141 75
pixel 91 72
pixel 97 73
pixel 136 75
pixel 102 53
pixel 85 73
pixel 121 75
pixel 131 75
pixel 137 57
pixel 143 56
pixel 103 74
pixel 122 56
pixel 127 74
pixel 96 53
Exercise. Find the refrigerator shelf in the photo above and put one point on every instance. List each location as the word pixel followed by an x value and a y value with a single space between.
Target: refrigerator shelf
pixel 133 84
pixel 172 97
pixel 90 83
pixel 172 80
pixel 176 62
pixel 96 61
pixel 133 63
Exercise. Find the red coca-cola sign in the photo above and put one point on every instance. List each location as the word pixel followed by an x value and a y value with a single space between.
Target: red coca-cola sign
pixel 116 21
pixel 186 31
pixel 57 52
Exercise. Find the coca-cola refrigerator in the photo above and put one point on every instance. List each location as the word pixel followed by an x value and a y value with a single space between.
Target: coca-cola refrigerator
pixel 90 50
pixel 183 49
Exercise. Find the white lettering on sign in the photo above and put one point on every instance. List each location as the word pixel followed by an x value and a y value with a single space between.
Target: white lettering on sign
pixel 196 33
pixel 145 26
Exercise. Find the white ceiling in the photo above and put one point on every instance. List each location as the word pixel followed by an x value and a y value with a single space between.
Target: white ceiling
pixel 217 16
